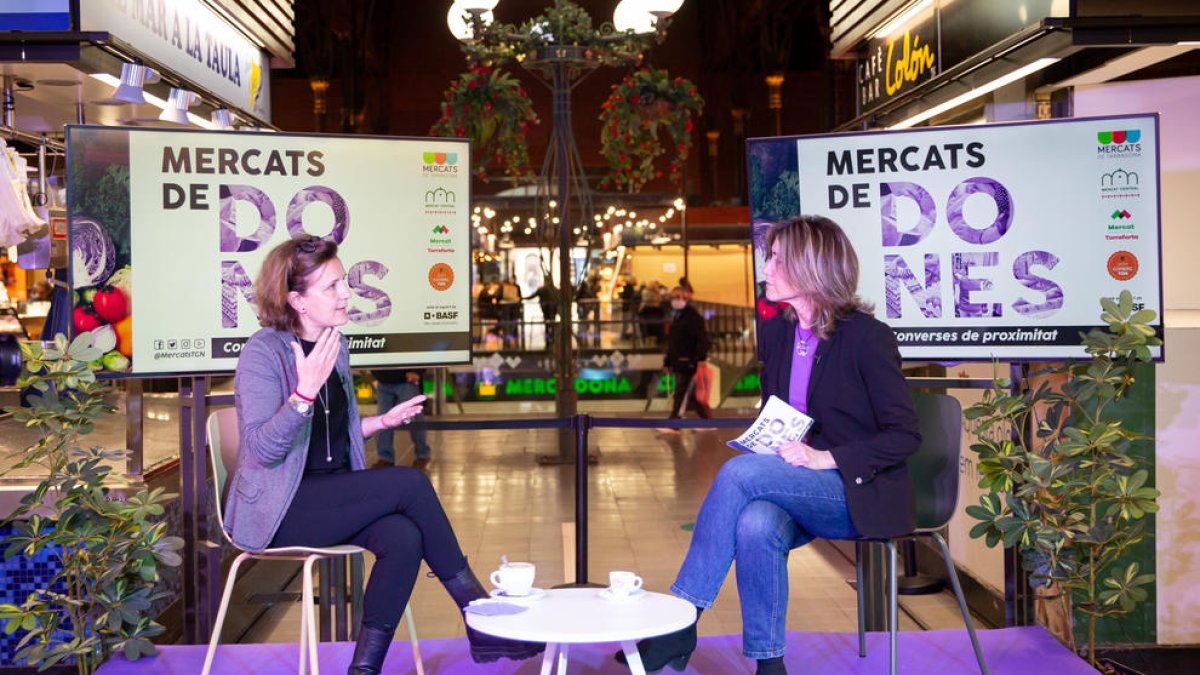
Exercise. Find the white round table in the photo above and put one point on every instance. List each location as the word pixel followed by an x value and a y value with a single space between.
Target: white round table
pixel 567 616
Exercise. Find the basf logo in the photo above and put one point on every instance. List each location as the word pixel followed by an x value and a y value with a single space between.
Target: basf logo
pixel 1119 144
pixel 439 164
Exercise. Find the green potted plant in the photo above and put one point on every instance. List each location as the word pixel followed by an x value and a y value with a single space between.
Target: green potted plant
pixel 1066 484
pixel 490 107
pixel 646 106
pixel 106 537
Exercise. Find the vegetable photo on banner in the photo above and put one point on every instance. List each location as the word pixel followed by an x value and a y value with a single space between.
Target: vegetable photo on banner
pixel 645 107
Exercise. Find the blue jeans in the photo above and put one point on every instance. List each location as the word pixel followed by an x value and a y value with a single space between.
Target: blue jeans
pixel 387 396
pixel 758 509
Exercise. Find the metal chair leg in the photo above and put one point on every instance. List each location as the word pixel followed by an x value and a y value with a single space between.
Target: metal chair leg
pixel 893 624
pixel 862 605
pixel 310 612
pixel 412 638
pixel 225 596
pixel 304 618
pixel 962 603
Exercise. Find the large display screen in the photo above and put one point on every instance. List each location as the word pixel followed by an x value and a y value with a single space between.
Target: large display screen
pixel 169 228
pixel 980 242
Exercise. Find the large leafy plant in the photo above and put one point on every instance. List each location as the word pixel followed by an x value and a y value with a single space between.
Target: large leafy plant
pixel 491 108
pixel 645 107
pixel 1065 484
pixel 106 537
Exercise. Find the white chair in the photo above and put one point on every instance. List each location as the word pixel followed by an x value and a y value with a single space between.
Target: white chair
pixel 223 441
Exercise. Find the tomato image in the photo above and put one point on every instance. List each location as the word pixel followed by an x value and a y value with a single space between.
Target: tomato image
pixel 110 304
pixel 85 320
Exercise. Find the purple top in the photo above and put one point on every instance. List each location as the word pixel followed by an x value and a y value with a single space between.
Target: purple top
pixel 802 363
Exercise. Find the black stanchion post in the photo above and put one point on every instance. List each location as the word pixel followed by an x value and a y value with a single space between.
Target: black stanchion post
pixel 582 422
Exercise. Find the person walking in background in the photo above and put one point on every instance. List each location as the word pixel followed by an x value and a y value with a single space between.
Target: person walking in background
pixel 650 315
pixel 825 355
pixel 630 297
pixel 547 298
pixel 687 348
pixel 392 387
pixel 299 479
pixel 587 309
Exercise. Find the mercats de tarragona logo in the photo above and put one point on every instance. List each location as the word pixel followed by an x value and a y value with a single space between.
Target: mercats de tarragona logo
pixel 1119 137
pixel 439 163
pixel 1121 143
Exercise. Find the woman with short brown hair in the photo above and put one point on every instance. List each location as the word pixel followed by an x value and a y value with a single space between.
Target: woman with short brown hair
pixel 299 479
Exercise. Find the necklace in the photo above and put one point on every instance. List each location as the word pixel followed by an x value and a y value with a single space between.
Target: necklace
pixel 325 406
pixel 803 337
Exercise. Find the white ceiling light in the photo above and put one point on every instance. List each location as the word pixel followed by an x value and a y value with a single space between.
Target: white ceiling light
pixel 975 93
pixel 901 19
pixel 177 104
pixel 129 88
pixel 662 8
pixel 222 119
pixel 456 18
pixel 633 15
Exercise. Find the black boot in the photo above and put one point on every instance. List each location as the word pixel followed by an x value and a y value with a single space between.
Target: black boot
pixel 465 587
pixel 771 667
pixel 672 649
pixel 370 651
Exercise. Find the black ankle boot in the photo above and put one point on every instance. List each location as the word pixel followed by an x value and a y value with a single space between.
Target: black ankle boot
pixel 369 652
pixel 771 667
pixel 465 587
pixel 672 649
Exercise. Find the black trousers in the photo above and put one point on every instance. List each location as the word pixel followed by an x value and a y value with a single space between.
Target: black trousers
pixel 684 388
pixel 393 513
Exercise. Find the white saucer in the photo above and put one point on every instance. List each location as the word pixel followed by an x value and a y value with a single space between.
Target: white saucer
pixel 534 594
pixel 607 594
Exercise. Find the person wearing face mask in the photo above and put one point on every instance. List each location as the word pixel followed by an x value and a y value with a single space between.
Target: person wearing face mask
pixel 826 355
pixel 300 479
pixel 687 347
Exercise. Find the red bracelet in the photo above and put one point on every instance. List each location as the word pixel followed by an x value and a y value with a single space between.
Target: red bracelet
pixel 297 394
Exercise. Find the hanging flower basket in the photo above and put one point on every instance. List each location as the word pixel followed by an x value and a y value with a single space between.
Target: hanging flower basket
pixel 645 107
pixel 491 108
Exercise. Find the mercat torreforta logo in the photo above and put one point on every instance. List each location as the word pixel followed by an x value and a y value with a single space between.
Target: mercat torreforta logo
pixel 439 164
pixel 441 229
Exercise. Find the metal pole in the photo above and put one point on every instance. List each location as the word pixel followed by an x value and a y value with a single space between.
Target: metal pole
pixel 582 424
pixel 683 226
pixel 564 367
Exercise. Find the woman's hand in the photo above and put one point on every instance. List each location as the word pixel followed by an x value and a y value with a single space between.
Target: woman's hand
pixel 401 413
pixel 797 453
pixel 313 370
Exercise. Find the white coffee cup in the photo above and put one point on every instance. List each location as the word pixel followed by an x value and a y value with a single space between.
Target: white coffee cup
pixel 623 584
pixel 514 578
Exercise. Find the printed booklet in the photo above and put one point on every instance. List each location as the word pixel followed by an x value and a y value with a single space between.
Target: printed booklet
pixel 777 423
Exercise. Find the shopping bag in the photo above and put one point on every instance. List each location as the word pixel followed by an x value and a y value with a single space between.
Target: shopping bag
pixel 704 381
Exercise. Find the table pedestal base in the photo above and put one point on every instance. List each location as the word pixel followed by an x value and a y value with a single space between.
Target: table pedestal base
pixel 560 652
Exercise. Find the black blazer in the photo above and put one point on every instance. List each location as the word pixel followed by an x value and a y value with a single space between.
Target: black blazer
pixel 687 341
pixel 863 414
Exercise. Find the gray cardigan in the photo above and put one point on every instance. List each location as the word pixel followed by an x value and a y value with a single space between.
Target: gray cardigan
pixel 274 437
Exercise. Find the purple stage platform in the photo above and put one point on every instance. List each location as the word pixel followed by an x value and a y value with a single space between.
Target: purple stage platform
pixel 1007 650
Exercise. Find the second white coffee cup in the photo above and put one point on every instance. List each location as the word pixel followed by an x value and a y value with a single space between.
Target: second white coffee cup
pixel 514 578
pixel 622 584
